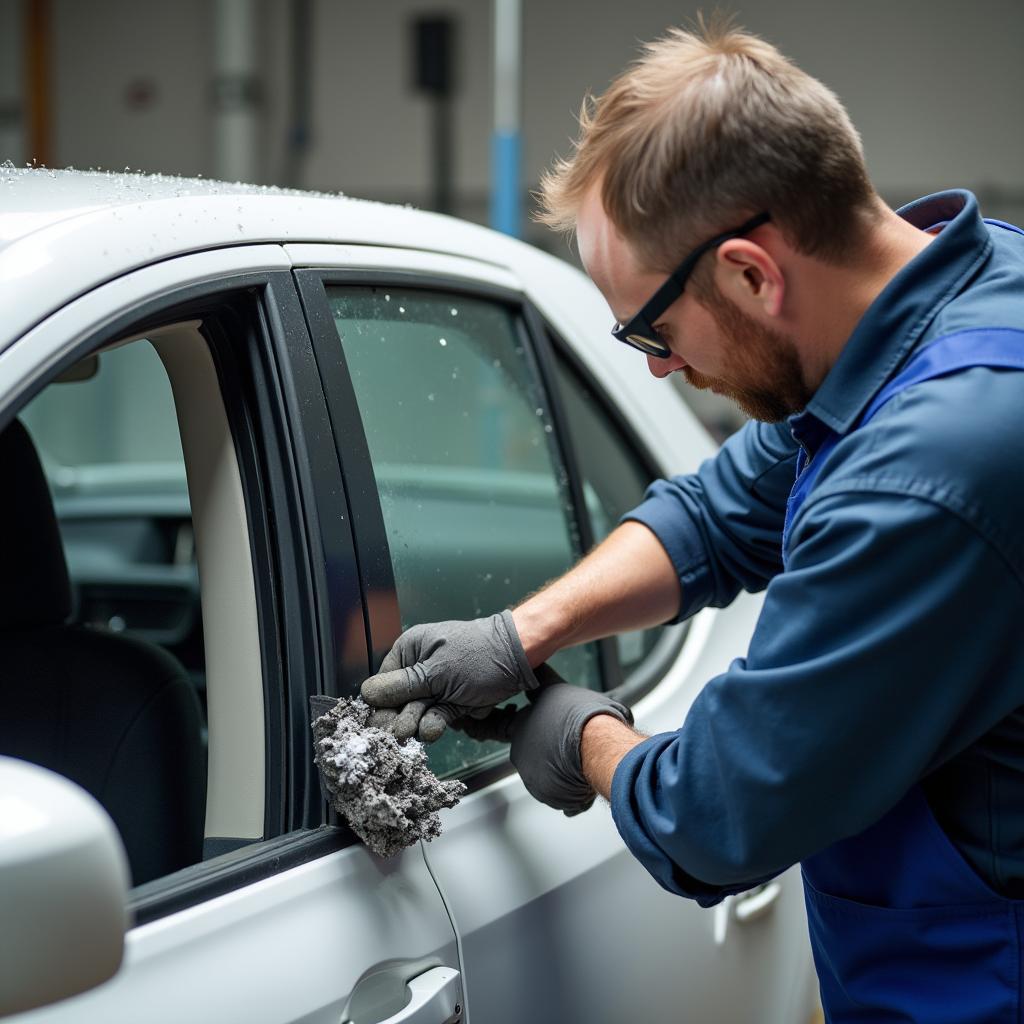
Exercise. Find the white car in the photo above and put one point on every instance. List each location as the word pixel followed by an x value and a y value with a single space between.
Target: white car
pixel 247 436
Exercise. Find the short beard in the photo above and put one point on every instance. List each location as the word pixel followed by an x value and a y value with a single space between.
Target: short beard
pixel 764 375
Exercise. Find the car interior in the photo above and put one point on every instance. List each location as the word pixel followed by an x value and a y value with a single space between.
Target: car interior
pixel 121 672
pixel 115 714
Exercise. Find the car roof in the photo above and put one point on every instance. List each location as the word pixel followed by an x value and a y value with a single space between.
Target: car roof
pixel 33 199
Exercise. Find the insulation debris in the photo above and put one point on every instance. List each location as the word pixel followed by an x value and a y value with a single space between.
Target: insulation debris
pixel 383 789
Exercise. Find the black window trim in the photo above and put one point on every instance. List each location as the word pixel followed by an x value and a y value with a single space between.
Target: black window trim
pixel 267 320
pixel 379 598
pixel 233 870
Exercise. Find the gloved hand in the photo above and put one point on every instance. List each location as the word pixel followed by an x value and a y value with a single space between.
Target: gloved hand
pixel 439 671
pixel 546 736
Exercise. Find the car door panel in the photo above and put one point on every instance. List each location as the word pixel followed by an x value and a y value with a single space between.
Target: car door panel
pixel 292 947
pixel 558 922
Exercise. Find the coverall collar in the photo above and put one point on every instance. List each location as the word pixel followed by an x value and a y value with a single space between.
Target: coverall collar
pixel 894 323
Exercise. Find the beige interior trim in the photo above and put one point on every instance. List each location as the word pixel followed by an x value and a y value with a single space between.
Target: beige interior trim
pixel 236 773
pixel 154 335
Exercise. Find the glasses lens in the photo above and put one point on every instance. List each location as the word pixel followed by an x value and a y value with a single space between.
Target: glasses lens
pixel 649 345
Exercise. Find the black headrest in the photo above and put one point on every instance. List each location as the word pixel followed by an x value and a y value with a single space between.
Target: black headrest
pixel 34 585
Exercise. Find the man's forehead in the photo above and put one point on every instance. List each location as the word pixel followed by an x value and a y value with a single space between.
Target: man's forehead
pixel 591 228
pixel 606 256
pixel 602 249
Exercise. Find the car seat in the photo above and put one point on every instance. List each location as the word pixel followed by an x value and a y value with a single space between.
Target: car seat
pixel 114 714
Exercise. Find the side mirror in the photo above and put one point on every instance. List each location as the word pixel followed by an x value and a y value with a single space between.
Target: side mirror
pixel 63 889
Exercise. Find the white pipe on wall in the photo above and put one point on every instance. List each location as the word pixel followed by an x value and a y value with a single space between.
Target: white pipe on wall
pixel 236 120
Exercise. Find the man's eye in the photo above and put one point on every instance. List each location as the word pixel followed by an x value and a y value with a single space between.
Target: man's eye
pixel 663 333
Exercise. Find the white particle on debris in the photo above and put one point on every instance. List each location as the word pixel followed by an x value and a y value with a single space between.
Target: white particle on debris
pixel 355 745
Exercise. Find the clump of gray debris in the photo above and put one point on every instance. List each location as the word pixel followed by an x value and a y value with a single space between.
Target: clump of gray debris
pixel 384 789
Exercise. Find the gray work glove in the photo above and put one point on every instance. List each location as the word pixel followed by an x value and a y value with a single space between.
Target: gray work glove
pixel 440 671
pixel 546 736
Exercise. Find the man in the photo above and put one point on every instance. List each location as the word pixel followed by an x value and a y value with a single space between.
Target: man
pixel 874 730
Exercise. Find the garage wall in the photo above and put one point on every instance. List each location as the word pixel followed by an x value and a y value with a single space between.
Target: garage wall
pixel 130 84
pixel 935 93
pixel 934 88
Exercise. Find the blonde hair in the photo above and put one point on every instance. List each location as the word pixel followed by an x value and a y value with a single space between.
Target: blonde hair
pixel 706 129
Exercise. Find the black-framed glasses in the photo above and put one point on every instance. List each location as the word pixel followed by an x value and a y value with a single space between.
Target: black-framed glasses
pixel 639 331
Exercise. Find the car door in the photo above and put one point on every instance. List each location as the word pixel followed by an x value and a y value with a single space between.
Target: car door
pixel 460 426
pixel 281 915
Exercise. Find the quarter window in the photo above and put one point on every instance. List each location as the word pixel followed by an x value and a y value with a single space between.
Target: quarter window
pixel 613 478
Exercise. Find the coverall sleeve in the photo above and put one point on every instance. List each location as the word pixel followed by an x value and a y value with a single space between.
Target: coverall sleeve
pixel 889 645
pixel 722 526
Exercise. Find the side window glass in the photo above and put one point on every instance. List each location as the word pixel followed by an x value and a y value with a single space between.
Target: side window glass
pixel 614 478
pixel 118 415
pixel 473 492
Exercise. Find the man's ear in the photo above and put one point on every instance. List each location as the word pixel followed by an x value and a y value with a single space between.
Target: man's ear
pixel 748 275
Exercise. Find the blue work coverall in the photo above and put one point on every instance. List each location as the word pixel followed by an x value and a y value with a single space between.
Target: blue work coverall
pixel 874 731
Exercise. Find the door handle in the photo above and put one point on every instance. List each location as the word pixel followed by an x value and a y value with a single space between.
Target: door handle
pixel 721 919
pixel 748 907
pixel 436 999
pixel 757 903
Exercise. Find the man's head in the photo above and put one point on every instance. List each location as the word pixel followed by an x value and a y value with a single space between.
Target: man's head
pixel 705 131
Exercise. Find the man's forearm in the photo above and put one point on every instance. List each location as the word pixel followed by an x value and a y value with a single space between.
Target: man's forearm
pixel 604 743
pixel 627 582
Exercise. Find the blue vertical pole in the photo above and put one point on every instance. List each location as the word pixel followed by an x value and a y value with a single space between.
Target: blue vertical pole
pixel 506 147
pixel 506 204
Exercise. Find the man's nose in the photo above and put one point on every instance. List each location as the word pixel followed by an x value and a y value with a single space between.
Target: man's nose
pixel 663 367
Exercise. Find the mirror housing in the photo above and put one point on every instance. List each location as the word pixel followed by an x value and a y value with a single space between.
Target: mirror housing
pixel 64 883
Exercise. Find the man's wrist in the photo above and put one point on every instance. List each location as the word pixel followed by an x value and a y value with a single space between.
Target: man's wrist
pixel 604 742
pixel 538 632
